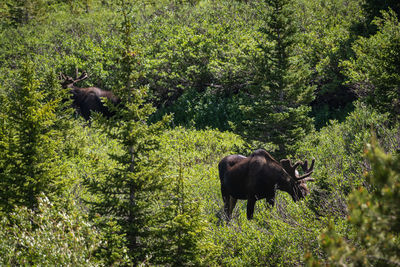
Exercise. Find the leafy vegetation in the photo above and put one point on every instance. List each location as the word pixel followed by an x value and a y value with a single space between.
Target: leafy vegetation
pixel 374 217
pixel 198 80
pixel 280 95
pixel 49 235
pixel 378 59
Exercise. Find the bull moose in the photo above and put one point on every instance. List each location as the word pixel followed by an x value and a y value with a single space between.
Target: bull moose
pixel 259 176
pixel 86 100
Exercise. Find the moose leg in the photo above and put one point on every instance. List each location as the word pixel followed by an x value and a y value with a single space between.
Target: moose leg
pixel 226 205
pixel 251 201
pixel 226 199
pixel 229 205
pixel 271 197
pixel 232 204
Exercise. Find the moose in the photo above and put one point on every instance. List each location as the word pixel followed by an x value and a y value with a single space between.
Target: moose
pixel 86 100
pixel 259 176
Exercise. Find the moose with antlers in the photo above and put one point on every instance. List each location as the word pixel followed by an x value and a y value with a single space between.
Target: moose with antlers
pixel 86 100
pixel 259 176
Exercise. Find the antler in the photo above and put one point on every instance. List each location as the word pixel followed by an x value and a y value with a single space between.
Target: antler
pixel 67 81
pixel 62 76
pixel 83 76
pixel 305 166
pixel 307 171
pixel 291 169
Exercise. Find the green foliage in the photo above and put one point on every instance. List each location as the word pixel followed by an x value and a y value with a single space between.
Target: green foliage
pixel 89 162
pixel 21 11
pixel 338 149
pixel 49 235
pixel 190 201
pixel 64 42
pixel 204 109
pixel 199 59
pixel 31 143
pixel 112 248
pixel 127 192
pixel 278 110
pixel 183 226
pixel 204 148
pixel 374 215
pixel 373 72
pixel 153 192
pixel 329 28
pixel 374 8
pixel 277 237
pixel 195 199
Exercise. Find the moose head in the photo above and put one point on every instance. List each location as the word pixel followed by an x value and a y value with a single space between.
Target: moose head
pixel 301 180
pixel 259 176
pixel 86 100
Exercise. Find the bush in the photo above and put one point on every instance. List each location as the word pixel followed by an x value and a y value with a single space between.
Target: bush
pixel 374 216
pixel 338 149
pixel 47 236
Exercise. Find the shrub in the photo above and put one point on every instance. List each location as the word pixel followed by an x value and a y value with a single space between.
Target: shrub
pixel 49 235
pixel 374 216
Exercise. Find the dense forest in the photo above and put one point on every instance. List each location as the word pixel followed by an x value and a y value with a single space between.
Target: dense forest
pixel 194 81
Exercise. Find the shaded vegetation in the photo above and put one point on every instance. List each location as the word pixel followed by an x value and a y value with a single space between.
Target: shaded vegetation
pixel 198 80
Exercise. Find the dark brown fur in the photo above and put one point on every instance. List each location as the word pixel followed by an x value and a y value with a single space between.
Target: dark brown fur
pixel 86 100
pixel 257 177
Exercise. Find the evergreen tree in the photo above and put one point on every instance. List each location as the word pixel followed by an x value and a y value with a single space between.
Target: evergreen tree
pixel 127 195
pixel 30 143
pixel 374 71
pixel 22 11
pixel 278 107
pixel 182 229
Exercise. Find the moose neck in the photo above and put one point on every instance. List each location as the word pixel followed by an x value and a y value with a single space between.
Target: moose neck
pixel 76 93
pixel 289 185
pixel 73 87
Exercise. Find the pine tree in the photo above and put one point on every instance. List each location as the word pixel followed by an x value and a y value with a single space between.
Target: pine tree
pixel 127 195
pixel 30 143
pixel 374 71
pixel 23 11
pixel 180 239
pixel 278 107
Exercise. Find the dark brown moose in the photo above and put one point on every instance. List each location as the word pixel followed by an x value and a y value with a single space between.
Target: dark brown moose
pixel 86 100
pixel 259 176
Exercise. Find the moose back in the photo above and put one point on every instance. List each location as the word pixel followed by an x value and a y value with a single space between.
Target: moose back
pixel 86 100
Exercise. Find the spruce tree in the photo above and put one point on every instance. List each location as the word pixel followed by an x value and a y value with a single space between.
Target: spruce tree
pixel 374 71
pixel 180 238
pixel 126 197
pixel 278 108
pixel 30 143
